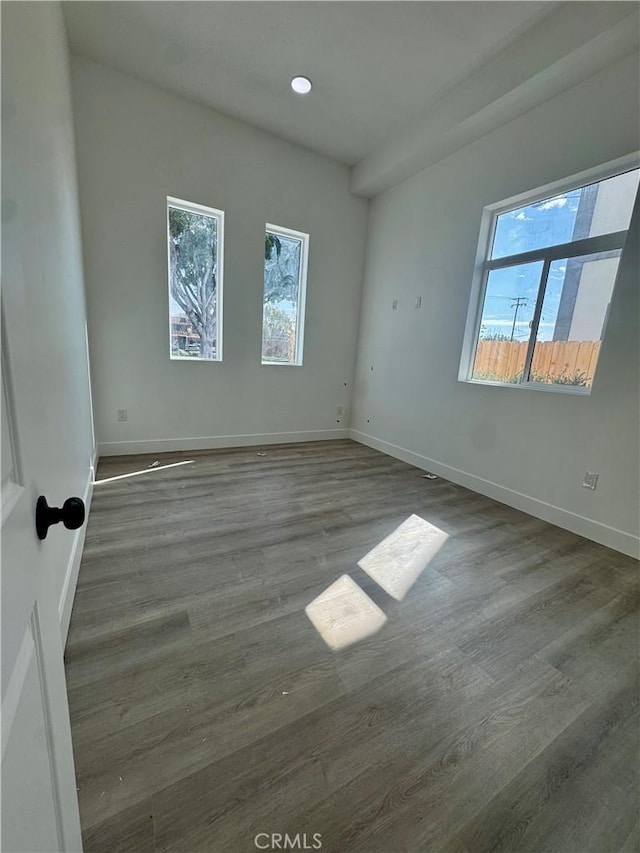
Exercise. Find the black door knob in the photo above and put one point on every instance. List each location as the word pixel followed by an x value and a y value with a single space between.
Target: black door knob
pixel 71 514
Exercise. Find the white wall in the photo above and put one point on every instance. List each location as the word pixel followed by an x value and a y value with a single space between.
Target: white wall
pixel 138 144
pixel 527 448
pixel 41 224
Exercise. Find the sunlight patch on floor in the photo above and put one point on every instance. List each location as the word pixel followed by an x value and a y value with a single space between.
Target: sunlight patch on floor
pixel 397 562
pixel 149 470
pixel 344 614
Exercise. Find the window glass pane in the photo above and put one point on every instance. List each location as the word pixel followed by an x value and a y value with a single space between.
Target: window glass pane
pixel 574 314
pixel 281 301
pixel 193 284
pixel 591 211
pixel 505 327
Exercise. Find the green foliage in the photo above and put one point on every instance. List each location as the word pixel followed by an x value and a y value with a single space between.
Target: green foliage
pixel 178 222
pixel 281 269
pixel 194 240
pixel 578 378
pixel 193 248
pixel 278 335
pixel 271 243
pixel 516 379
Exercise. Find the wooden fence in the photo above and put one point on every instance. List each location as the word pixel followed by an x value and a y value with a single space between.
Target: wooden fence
pixel 571 362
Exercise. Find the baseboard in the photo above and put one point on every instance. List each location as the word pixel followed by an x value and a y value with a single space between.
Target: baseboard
pixel 65 604
pixel 215 442
pixel 619 540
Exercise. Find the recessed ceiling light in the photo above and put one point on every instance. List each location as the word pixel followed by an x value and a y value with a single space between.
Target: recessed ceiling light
pixel 301 85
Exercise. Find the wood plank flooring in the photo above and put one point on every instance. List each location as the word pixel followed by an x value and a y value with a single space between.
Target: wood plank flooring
pixel 496 710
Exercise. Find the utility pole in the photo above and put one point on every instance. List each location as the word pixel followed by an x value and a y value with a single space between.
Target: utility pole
pixel 517 302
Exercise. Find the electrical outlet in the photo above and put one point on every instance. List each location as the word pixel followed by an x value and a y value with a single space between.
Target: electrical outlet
pixel 122 414
pixel 418 302
pixel 394 305
pixel 590 480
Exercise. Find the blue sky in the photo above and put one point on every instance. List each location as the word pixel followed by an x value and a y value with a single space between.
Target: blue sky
pixel 544 223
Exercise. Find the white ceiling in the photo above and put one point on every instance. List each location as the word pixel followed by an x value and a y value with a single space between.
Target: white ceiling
pixel 375 66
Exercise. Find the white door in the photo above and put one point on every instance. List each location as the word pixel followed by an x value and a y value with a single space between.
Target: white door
pixel 44 398
pixel 39 801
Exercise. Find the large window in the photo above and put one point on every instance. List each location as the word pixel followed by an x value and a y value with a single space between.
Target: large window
pixel 285 281
pixel 545 282
pixel 195 244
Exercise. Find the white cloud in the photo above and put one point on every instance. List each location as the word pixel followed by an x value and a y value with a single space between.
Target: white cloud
pixel 560 201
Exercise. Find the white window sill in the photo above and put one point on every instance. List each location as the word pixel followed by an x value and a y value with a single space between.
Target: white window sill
pixel 578 390
pixel 194 360
pixel 280 364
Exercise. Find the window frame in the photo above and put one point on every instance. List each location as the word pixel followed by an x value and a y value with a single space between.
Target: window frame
pixel 214 213
pixel 280 230
pixel 484 265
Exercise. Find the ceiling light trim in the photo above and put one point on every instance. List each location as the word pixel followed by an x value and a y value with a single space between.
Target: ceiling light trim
pixel 301 84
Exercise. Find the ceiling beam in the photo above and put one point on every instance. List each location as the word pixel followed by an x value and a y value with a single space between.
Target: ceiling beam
pixel 567 46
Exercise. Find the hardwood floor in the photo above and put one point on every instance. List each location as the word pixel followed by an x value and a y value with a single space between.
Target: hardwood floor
pixel 496 710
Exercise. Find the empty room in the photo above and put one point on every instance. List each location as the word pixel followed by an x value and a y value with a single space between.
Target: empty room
pixel 320 426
